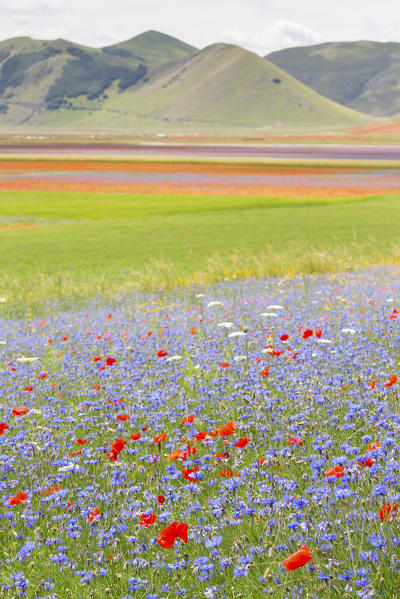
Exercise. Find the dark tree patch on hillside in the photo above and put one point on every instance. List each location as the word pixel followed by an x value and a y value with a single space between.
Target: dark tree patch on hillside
pixel 13 69
pixel 131 78
pixel 79 53
pixel 4 54
pixel 90 78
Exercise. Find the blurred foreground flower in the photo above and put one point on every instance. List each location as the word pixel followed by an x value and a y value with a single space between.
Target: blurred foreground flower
pixel 298 559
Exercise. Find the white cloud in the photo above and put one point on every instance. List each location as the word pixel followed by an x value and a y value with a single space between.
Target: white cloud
pixel 28 6
pixel 282 34
pixel 258 25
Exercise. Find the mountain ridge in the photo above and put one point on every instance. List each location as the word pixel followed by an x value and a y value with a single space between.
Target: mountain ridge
pixel 60 83
pixel 363 75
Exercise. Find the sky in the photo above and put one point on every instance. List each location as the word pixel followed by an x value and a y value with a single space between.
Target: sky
pixel 261 26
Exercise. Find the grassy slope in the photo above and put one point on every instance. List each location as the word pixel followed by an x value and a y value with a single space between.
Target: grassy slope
pixel 222 85
pixel 105 244
pixel 153 46
pixel 363 75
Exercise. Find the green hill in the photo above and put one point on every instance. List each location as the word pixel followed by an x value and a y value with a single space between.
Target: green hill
pixel 37 76
pixel 223 85
pixel 362 75
pixel 151 47
pixel 61 84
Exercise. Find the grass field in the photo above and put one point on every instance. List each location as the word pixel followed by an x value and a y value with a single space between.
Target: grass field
pixel 70 245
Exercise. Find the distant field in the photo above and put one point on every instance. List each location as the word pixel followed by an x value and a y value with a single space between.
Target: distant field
pixel 70 245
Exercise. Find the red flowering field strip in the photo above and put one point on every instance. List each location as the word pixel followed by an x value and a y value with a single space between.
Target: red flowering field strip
pixel 192 178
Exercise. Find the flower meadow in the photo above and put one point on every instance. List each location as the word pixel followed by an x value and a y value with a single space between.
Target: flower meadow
pixel 239 440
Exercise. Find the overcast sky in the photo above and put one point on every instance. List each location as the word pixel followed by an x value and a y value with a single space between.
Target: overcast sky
pixel 258 25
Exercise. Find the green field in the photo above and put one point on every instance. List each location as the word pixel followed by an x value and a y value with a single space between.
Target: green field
pixel 68 246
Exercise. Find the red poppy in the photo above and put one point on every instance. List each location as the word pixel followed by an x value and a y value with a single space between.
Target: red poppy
pixel 123 417
pixel 50 490
pixel 366 462
pixel 176 454
pixel 19 498
pixel 225 430
pixel 284 337
pixel 188 472
pixel 200 436
pixel 170 533
pixel 224 365
pixel 97 358
pixel 337 471
pixel 227 473
pixel 221 456
pixel 42 375
pixel 265 371
pixel 81 441
pixel 293 440
pixel 193 331
pixel 374 445
pixel 64 339
pixel 318 333
pixel 307 333
pixel 262 460
pixel 298 559
pixel 391 381
pixel 28 389
pixel 135 436
pixel 118 445
pixel 159 438
pixel 110 361
pixel 160 499
pixel 3 427
pixel 93 514
pixel 162 353
pixel 187 419
pixel 388 512
pixel 188 451
pixel 116 448
pixel 147 519
pixel 372 384
pixel 20 410
pixel 242 442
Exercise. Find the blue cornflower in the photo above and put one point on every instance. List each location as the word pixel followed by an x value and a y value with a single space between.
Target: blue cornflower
pixel 379 489
pixel 215 541
pixel 25 551
pixel 240 571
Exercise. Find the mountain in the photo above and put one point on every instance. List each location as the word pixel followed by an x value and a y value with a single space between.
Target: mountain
pixel 61 84
pixel 362 75
pixel 151 47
